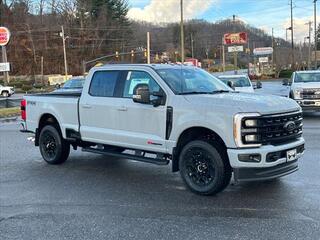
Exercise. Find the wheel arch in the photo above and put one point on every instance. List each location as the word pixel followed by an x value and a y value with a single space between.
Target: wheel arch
pixel 197 133
pixel 44 120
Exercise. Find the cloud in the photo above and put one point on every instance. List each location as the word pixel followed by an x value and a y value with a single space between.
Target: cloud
pixel 169 10
pixel 300 28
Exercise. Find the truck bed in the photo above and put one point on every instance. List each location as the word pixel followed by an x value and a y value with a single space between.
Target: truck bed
pixel 62 105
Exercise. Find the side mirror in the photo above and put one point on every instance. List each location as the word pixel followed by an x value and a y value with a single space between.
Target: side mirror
pixel 286 82
pixel 230 84
pixel 141 93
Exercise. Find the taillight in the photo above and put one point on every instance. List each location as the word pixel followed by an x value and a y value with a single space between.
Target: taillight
pixel 23 109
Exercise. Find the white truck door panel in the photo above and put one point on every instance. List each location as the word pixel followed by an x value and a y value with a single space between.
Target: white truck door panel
pixel 98 109
pixel 142 125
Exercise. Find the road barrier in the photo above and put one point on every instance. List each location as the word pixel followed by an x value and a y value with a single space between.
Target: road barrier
pixel 9 103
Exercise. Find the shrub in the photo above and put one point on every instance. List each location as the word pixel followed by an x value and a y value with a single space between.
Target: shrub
pixel 38 86
pixel 285 73
pixel 16 84
pixel 26 88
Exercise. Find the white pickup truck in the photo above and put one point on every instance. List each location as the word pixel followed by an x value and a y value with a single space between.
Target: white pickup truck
pixel 305 89
pixel 170 113
pixel 6 91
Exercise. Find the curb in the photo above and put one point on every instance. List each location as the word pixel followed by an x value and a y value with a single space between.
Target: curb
pixel 8 119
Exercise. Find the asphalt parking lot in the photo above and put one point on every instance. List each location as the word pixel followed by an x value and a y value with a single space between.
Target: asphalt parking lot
pixel 94 197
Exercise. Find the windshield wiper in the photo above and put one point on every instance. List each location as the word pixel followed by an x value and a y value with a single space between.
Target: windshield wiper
pixel 194 92
pixel 220 91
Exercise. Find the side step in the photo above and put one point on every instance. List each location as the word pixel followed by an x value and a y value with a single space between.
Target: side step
pixel 140 158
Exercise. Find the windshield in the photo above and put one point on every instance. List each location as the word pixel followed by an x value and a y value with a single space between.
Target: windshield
pixel 74 83
pixel 307 77
pixel 189 80
pixel 237 81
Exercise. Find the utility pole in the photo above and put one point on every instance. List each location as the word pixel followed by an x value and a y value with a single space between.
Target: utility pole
pixel 272 45
pixel 182 32
pixel 42 79
pixel 223 57
pixel 315 34
pixel 148 47
pixel 64 52
pixel 191 37
pixel 292 44
pixel 235 54
pixel 309 47
pixel 4 59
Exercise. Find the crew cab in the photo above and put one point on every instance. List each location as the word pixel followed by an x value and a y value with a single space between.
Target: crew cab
pixel 170 113
pixel 305 89
pixel 6 91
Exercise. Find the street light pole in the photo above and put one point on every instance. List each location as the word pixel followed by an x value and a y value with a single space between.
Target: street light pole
pixel 292 44
pixel 182 32
pixel 64 52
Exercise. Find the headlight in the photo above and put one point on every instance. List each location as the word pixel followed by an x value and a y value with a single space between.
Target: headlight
pixel 245 130
pixel 297 93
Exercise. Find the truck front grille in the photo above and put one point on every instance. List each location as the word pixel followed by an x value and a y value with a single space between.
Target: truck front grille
pixel 311 93
pixel 273 129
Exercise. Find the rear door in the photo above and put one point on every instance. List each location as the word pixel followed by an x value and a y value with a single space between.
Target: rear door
pixel 99 108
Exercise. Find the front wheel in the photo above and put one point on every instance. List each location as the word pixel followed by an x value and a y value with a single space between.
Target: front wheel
pixel 203 168
pixel 54 149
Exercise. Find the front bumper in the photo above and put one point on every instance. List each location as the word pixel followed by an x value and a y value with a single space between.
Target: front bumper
pixel 309 105
pixel 265 169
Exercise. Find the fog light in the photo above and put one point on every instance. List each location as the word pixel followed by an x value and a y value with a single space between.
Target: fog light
pixel 249 157
pixel 251 138
pixel 250 123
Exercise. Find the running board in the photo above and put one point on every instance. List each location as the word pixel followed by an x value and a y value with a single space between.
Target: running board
pixel 140 158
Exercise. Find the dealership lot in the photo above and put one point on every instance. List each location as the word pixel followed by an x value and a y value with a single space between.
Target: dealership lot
pixel 97 197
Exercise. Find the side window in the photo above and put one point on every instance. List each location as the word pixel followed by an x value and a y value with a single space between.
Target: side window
pixel 103 83
pixel 136 77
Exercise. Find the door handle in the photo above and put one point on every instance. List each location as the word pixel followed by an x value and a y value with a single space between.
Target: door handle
pixel 86 106
pixel 123 109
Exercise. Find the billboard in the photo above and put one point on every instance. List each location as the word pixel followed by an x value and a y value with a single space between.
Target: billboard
pixel 235 49
pixel 235 38
pixel 263 51
pixel 4 36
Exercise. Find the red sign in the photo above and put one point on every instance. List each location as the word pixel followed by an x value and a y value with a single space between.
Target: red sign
pixel 192 61
pixel 4 36
pixel 235 38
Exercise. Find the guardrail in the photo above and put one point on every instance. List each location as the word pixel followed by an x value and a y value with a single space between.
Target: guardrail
pixel 9 103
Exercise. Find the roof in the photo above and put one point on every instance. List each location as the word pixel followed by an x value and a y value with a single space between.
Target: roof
pixel 232 76
pixel 308 71
pixel 154 66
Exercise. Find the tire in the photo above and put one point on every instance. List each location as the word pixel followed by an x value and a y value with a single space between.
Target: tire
pixel 54 149
pixel 5 94
pixel 204 168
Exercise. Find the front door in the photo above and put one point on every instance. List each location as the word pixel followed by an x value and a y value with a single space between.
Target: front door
pixel 142 126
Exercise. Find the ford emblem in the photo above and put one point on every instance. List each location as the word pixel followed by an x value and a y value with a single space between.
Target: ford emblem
pixel 289 126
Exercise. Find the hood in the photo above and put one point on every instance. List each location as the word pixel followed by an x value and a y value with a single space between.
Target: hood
pixel 244 89
pixel 306 85
pixel 244 102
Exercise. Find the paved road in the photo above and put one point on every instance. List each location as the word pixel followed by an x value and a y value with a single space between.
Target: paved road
pixel 94 197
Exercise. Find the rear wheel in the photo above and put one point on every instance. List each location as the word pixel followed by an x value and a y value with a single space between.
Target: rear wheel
pixel 5 94
pixel 204 168
pixel 54 149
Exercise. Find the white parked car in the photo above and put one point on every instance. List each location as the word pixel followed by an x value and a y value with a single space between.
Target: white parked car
pixel 240 83
pixel 6 91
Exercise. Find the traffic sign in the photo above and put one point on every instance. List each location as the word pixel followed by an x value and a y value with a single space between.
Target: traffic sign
pixel 263 59
pixel 4 36
pixel 5 67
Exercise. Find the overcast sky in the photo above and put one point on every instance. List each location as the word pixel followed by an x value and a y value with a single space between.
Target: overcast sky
pixel 265 14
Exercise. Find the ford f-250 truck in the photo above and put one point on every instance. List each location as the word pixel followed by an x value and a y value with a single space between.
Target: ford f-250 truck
pixel 163 113
pixel 305 89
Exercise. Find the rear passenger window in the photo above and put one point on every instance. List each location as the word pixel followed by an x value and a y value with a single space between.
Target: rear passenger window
pixel 137 77
pixel 103 83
